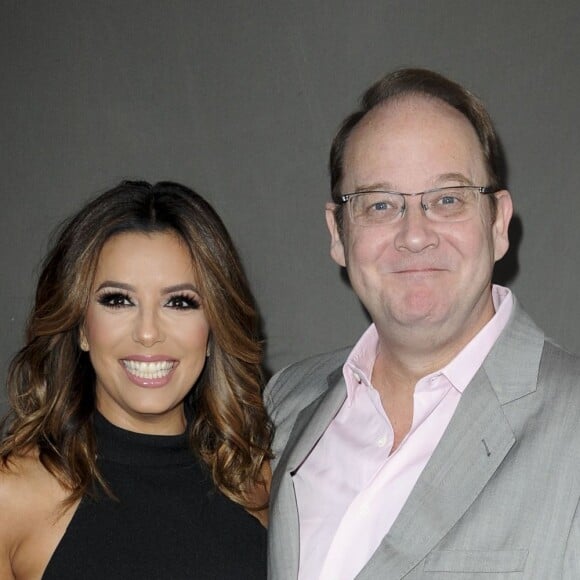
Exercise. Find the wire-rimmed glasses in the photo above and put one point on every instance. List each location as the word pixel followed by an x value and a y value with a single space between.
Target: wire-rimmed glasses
pixel 454 203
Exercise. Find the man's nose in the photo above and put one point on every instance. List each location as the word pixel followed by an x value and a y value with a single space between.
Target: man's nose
pixel 416 232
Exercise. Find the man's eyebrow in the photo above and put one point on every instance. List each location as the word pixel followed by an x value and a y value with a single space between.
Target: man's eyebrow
pixel 377 186
pixel 453 176
pixel 440 179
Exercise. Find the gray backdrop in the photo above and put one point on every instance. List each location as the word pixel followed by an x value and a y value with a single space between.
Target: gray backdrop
pixel 240 100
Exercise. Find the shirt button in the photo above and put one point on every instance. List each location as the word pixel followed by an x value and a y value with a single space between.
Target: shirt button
pixel 357 378
pixel 382 441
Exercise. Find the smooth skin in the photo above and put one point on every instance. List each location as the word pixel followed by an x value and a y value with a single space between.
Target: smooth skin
pixel 145 307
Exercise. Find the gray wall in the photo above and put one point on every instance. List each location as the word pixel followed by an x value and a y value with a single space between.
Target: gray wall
pixel 240 101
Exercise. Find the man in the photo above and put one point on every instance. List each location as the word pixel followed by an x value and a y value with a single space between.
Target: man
pixel 446 443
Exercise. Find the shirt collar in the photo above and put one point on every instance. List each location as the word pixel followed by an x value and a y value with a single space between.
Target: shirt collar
pixel 358 367
pixel 463 367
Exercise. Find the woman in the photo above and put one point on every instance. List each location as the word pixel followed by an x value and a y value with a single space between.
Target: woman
pixel 136 396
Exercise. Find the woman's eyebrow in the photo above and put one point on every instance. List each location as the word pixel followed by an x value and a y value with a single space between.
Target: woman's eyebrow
pixel 179 287
pixel 114 284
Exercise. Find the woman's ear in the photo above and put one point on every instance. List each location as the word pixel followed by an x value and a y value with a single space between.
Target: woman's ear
pixel 83 342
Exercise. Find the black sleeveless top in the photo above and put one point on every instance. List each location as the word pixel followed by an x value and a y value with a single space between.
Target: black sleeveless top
pixel 169 522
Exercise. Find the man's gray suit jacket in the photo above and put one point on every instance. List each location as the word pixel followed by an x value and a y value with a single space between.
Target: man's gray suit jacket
pixel 499 497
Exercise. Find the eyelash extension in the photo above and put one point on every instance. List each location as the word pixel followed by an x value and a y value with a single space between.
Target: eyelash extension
pixel 191 302
pixel 122 300
pixel 114 299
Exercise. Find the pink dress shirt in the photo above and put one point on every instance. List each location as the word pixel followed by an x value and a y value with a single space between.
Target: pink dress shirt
pixel 350 490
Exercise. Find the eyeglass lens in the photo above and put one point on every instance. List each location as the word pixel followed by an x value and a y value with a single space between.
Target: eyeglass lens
pixel 451 204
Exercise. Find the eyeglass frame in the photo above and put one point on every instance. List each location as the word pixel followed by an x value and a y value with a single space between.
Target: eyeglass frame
pixel 481 189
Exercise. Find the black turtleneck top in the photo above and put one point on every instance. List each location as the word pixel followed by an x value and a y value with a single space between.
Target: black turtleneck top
pixel 169 522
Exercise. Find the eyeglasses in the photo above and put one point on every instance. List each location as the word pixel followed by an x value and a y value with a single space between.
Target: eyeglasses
pixel 444 204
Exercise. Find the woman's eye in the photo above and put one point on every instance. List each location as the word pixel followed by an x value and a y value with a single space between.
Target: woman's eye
pixel 115 300
pixel 183 303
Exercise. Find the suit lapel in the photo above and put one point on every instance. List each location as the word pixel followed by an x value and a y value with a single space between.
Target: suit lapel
pixel 312 422
pixel 474 445
pixel 309 426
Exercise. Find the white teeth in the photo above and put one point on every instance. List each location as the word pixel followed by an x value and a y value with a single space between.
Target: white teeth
pixel 149 370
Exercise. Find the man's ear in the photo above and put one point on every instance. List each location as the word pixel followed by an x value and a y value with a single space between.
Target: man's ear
pixel 503 216
pixel 83 342
pixel 336 245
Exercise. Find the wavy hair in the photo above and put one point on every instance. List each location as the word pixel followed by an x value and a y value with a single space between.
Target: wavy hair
pixel 51 382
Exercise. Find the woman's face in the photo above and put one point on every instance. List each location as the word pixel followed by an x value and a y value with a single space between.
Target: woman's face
pixel 145 331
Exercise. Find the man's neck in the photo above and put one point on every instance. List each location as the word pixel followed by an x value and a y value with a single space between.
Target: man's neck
pixel 407 354
pixel 400 365
pixel 396 387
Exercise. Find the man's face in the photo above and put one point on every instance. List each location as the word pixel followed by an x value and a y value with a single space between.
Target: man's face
pixel 420 279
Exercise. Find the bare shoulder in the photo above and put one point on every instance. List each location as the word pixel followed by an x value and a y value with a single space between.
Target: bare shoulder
pixel 32 519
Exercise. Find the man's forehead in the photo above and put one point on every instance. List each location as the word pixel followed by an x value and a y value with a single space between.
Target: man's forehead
pixel 416 132
pixel 409 110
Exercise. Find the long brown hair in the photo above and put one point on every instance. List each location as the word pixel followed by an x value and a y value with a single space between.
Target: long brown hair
pixel 51 380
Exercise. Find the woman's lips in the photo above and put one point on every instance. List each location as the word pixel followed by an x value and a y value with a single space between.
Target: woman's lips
pixel 149 371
